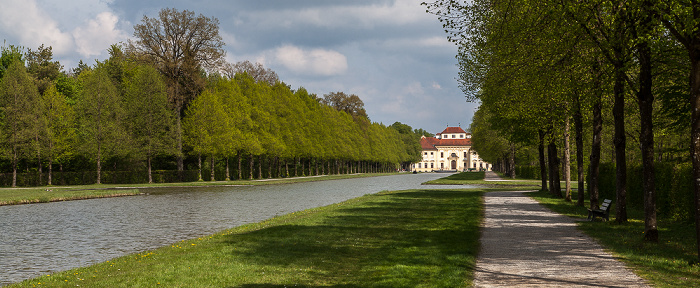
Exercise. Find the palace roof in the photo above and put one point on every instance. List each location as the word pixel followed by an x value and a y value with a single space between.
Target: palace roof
pixel 452 130
pixel 431 143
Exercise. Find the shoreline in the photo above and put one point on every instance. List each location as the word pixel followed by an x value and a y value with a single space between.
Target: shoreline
pixel 48 194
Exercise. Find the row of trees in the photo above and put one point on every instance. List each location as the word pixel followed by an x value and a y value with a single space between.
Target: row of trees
pixel 169 95
pixel 536 67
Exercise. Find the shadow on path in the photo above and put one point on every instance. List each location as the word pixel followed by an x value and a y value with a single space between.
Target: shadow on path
pixel 524 244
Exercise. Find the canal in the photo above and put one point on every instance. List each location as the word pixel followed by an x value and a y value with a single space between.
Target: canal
pixel 39 239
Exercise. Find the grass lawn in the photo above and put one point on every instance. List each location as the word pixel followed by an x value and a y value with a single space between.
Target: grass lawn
pixel 12 196
pixel 663 264
pixel 414 238
pixel 9 196
pixel 477 178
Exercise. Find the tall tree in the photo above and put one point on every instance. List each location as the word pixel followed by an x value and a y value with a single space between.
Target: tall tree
pixel 257 71
pixel 682 19
pixel 42 67
pixel 179 44
pixel 351 104
pixel 19 101
pixel 60 129
pixel 149 120
pixel 100 118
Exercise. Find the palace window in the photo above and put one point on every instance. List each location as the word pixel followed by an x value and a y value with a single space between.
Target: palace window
pixel 442 154
pixel 431 165
pixel 418 165
pixel 465 154
pixel 453 135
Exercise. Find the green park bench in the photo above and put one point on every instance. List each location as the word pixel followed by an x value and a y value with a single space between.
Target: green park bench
pixel 603 211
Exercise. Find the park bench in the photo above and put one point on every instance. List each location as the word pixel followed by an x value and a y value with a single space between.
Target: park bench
pixel 603 211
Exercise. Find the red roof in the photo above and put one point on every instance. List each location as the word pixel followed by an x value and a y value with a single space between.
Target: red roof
pixel 453 130
pixel 430 143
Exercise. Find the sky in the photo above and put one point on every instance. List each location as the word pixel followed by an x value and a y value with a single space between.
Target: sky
pixel 392 54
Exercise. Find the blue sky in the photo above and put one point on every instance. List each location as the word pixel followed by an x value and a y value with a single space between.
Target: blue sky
pixel 391 54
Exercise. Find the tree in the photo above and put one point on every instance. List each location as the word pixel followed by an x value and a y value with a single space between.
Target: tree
pixel 19 101
pixel 149 120
pixel 41 66
pixel 9 55
pixel 100 118
pixel 257 71
pixel 60 130
pixel 200 134
pixel 682 19
pixel 179 45
pixel 351 104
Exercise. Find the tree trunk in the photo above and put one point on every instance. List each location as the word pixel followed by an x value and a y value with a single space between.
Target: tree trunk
pixel 99 163
pixel 554 182
pixel 578 126
pixel 260 160
pixel 240 168
pixel 543 165
pixel 620 144
pixel 14 167
pixel 251 166
pixel 213 178
pixel 511 161
pixel 180 160
pixel 150 175
pixel 695 133
pixel 38 155
pixel 48 181
pixel 199 166
pixel 646 138
pixel 228 175
pixel 567 160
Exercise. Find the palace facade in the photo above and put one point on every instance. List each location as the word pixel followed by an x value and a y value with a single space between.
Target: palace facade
pixel 449 151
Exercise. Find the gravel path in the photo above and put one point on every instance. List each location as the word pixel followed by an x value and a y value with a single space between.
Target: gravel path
pixel 524 244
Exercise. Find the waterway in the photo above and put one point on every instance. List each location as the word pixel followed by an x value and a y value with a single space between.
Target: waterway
pixel 40 239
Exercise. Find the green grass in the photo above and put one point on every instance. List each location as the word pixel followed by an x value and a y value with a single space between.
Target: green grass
pixel 477 178
pixel 14 196
pixel 414 238
pixel 663 264
pixel 9 196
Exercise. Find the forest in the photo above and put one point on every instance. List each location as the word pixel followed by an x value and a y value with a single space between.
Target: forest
pixel 166 107
pixel 606 93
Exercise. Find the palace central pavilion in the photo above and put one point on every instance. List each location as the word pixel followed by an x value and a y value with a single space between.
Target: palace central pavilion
pixel 449 151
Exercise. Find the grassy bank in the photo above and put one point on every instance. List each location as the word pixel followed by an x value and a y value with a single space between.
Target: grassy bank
pixel 663 264
pixel 416 238
pixel 477 178
pixel 43 195
pixel 13 196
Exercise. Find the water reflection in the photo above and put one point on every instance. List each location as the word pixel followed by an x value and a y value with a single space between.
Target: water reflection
pixel 44 238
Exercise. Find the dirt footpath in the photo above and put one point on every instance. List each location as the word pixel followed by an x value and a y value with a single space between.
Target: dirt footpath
pixel 524 244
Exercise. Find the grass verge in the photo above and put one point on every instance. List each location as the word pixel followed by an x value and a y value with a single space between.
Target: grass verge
pixel 663 264
pixel 477 178
pixel 43 195
pixel 14 196
pixel 414 238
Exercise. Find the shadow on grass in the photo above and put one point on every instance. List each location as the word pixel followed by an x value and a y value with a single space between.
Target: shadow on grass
pixel 398 239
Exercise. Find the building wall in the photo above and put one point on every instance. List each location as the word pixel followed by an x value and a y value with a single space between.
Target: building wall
pixel 441 160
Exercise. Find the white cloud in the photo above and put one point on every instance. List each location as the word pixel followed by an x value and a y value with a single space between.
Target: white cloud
pixel 436 86
pixel 33 26
pixel 98 34
pixel 315 61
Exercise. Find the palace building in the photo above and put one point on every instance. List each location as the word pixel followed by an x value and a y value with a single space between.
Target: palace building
pixel 449 151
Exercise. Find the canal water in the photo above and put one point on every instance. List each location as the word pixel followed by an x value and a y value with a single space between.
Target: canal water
pixel 39 239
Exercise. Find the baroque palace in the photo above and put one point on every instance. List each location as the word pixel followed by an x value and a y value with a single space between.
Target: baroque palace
pixel 449 151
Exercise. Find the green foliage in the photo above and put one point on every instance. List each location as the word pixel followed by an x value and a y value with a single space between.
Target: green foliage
pixel 101 118
pixel 19 104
